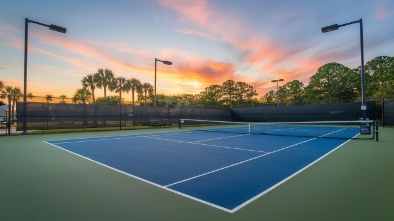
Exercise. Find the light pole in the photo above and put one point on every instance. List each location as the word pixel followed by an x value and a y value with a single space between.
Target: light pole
pixel 336 27
pixel 277 87
pixel 51 27
pixel 164 62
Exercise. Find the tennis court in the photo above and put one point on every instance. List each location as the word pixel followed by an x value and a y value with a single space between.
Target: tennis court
pixel 42 182
pixel 223 170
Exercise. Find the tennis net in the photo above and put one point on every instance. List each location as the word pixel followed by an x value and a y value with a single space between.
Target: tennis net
pixel 360 129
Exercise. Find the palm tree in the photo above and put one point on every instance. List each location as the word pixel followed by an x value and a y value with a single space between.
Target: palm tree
pixel 135 85
pixel 82 95
pixel 1 86
pixel 63 97
pixel 120 85
pixel 8 91
pixel 103 79
pixel 15 95
pixel 49 98
pixel 74 100
pixel 89 81
pixel 30 96
pixel 147 89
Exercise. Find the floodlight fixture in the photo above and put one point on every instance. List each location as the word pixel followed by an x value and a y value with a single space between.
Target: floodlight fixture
pixel 57 28
pixel 277 88
pixel 164 62
pixel 335 27
pixel 51 27
pixel 330 28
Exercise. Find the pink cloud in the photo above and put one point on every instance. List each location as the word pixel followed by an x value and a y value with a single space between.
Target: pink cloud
pixel 214 24
pixel 381 11
pixel 265 53
pixel 289 16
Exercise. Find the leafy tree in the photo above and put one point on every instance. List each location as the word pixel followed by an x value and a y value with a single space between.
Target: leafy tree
pixel 228 91
pixel 292 91
pixel 135 86
pixel 168 100
pixel 244 93
pixel 111 100
pixel 269 97
pixel 211 96
pixel 333 81
pixel 90 81
pixel 187 99
pixel 103 79
pixel 380 76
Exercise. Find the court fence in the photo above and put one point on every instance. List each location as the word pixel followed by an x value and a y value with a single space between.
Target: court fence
pixel 302 113
pixel 46 115
pixel 388 112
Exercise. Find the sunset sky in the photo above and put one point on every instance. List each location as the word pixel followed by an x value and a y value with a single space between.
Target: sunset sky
pixel 208 41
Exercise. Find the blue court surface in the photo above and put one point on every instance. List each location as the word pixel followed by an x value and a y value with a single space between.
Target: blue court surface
pixel 226 171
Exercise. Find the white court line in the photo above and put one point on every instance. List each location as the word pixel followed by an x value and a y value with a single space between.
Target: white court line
pixel 97 139
pixel 208 145
pixel 220 138
pixel 235 164
pixel 144 180
pixel 284 180
pixel 200 200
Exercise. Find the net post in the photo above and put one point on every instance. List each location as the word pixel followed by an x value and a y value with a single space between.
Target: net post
pixel 249 129
pixel 180 123
pixel 377 129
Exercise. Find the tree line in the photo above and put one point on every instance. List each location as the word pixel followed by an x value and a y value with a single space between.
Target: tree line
pixel 332 82
pixel 336 82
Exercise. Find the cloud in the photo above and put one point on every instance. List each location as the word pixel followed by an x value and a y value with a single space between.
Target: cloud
pixel 89 58
pixel 381 12
pixel 10 40
pixel 269 55
pixel 286 18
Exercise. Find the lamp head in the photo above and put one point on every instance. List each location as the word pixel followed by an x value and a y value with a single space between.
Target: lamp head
pixel 57 28
pixel 330 28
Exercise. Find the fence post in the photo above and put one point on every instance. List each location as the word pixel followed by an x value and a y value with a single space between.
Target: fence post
pixel 120 115
pixel 382 111
pixel 377 129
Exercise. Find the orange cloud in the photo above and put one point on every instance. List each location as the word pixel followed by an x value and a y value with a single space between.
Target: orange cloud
pixel 195 71
pixel 259 51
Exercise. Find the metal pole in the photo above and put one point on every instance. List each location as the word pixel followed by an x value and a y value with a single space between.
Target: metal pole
pixel 155 83
pixel 9 121
pixel 25 80
pixel 364 108
pixel 277 88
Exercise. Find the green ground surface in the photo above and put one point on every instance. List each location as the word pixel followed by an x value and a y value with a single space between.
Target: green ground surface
pixel 41 182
